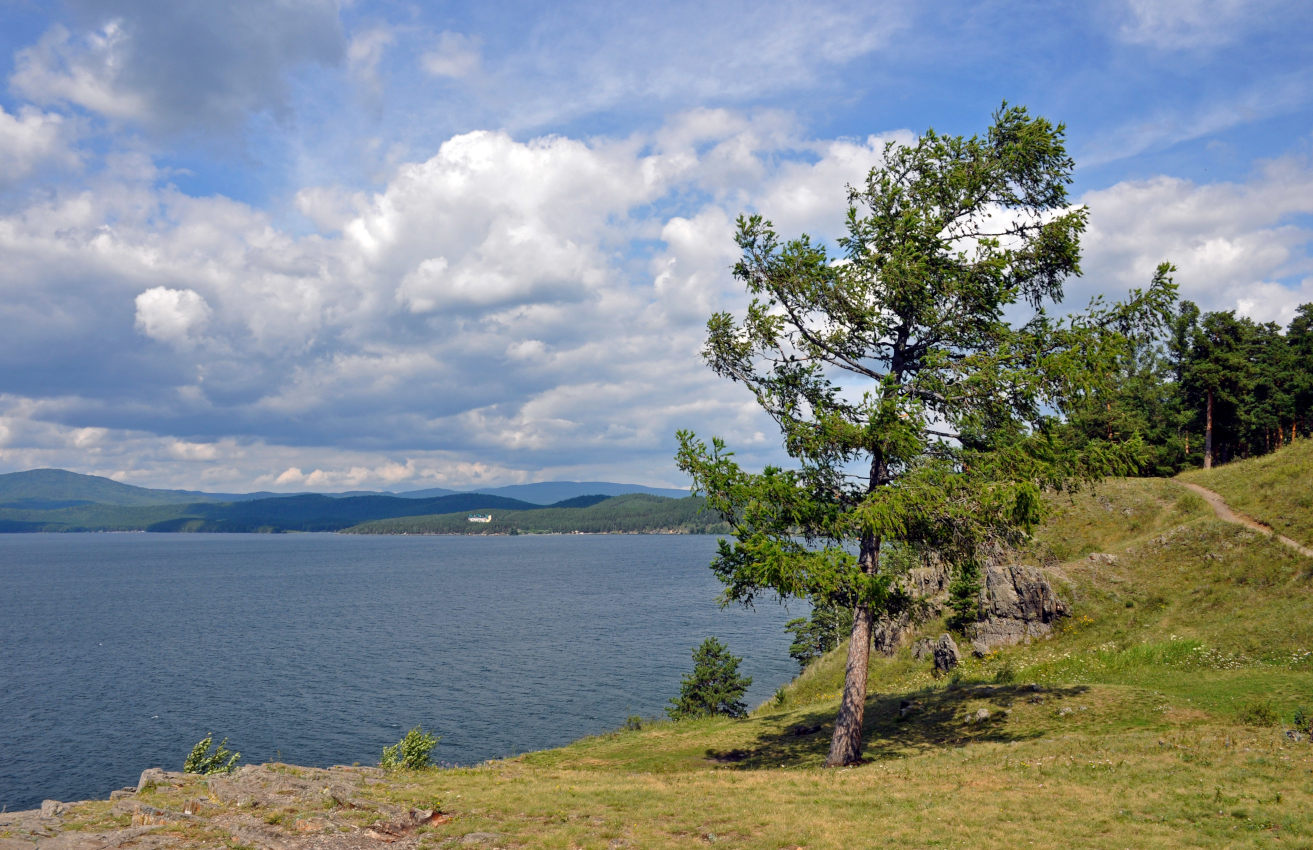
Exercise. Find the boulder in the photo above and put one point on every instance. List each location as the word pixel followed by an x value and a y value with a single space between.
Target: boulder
pixel 946 653
pixel 1018 604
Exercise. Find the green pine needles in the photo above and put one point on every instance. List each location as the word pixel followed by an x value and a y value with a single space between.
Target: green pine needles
pixel 714 687
pixel 201 760
pixel 413 752
pixel 916 378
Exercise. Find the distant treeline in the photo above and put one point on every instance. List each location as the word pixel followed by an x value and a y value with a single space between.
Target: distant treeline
pixel 282 513
pixel 1214 388
pixel 633 513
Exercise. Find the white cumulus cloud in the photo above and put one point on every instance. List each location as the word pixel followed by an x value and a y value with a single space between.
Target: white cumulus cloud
pixel 175 316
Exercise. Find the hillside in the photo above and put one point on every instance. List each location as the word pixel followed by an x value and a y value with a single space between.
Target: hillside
pixel 278 514
pixel 47 488
pixel 633 513
pixel 1275 489
pixel 1155 717
pixel 55 500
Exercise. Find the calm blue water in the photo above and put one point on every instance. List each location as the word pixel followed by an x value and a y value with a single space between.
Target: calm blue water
pixel 120 651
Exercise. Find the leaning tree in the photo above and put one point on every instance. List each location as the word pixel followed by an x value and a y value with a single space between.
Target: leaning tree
pixel 916 405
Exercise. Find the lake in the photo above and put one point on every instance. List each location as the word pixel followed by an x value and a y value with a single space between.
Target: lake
pixel 120 651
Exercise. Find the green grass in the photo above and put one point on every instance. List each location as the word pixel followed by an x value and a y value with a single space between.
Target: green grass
pixel 1276 489
pixel 1153 718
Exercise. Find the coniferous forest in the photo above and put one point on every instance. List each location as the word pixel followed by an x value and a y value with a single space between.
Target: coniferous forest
pixel 1214 387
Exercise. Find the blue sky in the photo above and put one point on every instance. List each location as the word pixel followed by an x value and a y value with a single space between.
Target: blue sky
pixel 325 246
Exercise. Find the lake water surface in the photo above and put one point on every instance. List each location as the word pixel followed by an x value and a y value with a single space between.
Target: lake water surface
pixel 120 651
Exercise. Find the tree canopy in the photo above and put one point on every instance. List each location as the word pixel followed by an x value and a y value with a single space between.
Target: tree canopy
pixel 915 410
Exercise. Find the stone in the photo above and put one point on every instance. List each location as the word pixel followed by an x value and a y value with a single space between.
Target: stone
pixel 1018 604
pixel 928 588
pixel 946 653
pixel 153 776
pixel 52 808
pixel 923 649
pixel 1293 734
pixel 980 716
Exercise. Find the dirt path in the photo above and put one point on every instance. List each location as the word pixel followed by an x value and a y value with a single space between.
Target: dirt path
pixel 1224 513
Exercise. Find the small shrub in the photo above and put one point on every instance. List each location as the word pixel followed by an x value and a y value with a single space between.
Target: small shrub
pixel 1005 675
pixel 1259 713
pixel 412 752
pixel 202 761
pixel 1303 721
pixel 714 687
pixel 964 594
pixel 633 723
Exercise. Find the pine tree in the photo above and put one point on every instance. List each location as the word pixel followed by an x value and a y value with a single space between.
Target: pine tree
pixel 915 411
pixel 714 687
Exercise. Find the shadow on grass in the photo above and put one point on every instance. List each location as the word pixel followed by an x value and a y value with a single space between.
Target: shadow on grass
pixel 900 725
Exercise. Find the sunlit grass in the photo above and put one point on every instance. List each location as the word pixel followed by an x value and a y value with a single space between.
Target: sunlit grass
pixel 1154 717
pixel 1276 489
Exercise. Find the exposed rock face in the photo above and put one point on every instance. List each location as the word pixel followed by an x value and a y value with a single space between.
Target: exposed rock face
pixel 1018 604
pixel 946 653
pixel 929 587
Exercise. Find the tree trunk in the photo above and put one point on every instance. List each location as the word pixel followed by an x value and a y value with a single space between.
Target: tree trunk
pixel 1208 434
pixel 846 745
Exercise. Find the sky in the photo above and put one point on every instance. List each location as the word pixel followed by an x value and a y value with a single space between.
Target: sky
pixel 304 245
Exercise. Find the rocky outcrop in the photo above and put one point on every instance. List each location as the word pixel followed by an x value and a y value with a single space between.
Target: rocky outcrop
pixel 946 654
pixel 1017 604
pixel 928 588
pixel 274 806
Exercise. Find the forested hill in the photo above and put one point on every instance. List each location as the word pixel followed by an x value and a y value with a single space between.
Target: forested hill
pixel 633 513
pixel 56 500
pixel 284 513
pixel 52 488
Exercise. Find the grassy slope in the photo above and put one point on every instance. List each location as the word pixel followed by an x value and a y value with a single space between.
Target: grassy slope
pixel 1275 489
pixel 1153 719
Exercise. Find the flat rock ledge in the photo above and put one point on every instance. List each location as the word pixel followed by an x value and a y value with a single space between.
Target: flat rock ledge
pixel 269 806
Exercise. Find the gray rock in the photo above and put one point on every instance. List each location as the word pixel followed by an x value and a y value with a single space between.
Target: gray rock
pixel 923 649
pixel 980 716
pixel 928 587
pixel 152 776
pixel 1293 734
pixel 52 808
pixel 1018 604
pixel 946 653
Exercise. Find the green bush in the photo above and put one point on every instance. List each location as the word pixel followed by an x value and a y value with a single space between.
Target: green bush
pixel 412 752
pixel 818 634
pixel 202 761
pixel 714 687
pixel 1259 713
